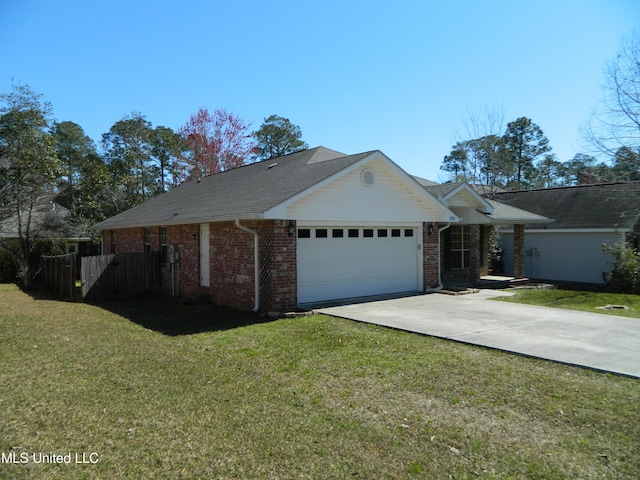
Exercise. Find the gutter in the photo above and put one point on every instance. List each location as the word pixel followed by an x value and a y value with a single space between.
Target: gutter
pixel 439 287
pixel 256 264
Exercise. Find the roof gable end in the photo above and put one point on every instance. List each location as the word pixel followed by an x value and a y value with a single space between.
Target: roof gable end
pixel 345 194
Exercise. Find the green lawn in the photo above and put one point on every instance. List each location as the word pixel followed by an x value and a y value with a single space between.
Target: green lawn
pixel 579 300
pixel 161 390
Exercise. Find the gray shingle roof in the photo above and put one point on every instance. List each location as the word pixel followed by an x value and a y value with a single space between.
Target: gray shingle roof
pixel 502 213
pixel 507 214
pixel 441 190
pixel 244 192
pixel 612 205
pixel 423 181
pixel 47 220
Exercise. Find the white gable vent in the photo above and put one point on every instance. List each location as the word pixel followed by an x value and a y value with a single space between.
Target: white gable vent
pixel 368 177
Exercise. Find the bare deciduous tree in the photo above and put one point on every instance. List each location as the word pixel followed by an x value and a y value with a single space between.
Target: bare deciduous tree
pixel 615 123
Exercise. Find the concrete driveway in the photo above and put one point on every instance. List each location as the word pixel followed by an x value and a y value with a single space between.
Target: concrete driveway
pixel 601 342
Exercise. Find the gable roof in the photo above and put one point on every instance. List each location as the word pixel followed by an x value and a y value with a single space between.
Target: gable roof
pixel 423 181
pixel 599 206
pixel 48 219
pixel 245 192
pixel 448 192
pixel 487 210
pixel 242 192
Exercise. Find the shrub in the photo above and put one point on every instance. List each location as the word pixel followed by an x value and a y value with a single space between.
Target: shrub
pixel 625 267
pixel 496 253
pixel 15 267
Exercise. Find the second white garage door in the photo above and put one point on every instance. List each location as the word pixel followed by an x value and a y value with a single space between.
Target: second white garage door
pixel 344 262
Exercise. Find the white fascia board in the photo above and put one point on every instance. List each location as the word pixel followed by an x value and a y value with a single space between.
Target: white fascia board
pixel 175 221
pixel 280 210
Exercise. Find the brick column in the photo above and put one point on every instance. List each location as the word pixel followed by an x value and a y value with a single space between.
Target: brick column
pixel 518 251
pixel 284 272
pixel 430 255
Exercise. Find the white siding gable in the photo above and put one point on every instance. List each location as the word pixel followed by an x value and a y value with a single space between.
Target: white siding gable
pixel 471 215
pixel 374 191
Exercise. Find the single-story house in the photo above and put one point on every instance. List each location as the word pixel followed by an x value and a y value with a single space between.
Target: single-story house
pixel 586 217
pixel 311 226
pixel 47 220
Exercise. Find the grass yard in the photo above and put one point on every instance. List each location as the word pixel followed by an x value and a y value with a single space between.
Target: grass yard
pixel 578 300
pixel 158 390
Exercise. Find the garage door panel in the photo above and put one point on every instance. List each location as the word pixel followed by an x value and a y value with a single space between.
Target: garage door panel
pixel 332 268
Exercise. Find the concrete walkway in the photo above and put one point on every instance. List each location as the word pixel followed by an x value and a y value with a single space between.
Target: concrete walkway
pixel 597 341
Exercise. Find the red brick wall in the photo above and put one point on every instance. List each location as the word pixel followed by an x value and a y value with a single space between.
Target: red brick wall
pixel 186 272
pixel 128 240
pixel 232 264
pixel 231 254
pixel 131 240
pixel 284 268
pixel 430 255
pixel 518 251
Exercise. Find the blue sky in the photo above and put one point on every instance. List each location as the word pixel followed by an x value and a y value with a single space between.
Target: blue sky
pixel 354 75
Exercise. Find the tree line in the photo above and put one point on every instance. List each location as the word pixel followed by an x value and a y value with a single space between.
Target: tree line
pixel 520 156
pixel 55 162
pixel 133 162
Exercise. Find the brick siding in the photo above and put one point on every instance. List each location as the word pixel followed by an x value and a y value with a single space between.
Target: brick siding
pixel 518 251
pixel 231 254
pixel 430 255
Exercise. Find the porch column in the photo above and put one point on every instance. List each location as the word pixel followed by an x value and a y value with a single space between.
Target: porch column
pixel 475 253
pixel 518 251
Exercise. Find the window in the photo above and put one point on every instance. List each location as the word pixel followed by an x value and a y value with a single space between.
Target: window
pixel 395 232
pixel 337 233
pixel 163 244
pixel 321 233
pixel 459 247
pixel 304 233
pixel 408 232
pixel 113 241
pixel 382 232
pixel 354 233
pixel 367 232
pixel 147 239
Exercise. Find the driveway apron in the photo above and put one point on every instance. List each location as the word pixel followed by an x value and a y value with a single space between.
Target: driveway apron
pixel 602 342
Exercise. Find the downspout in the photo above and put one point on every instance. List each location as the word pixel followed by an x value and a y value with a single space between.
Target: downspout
pixel 256 264
pixel 439 287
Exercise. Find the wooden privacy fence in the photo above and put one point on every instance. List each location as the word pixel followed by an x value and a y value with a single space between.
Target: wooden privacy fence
pixel 59 275
pixel 120 276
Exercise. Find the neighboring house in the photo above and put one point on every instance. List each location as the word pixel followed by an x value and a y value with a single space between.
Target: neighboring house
pixel 586 217
pixel 311 226
pixel 47 220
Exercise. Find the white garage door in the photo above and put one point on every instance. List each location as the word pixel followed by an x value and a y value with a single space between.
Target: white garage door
pixel 344 262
